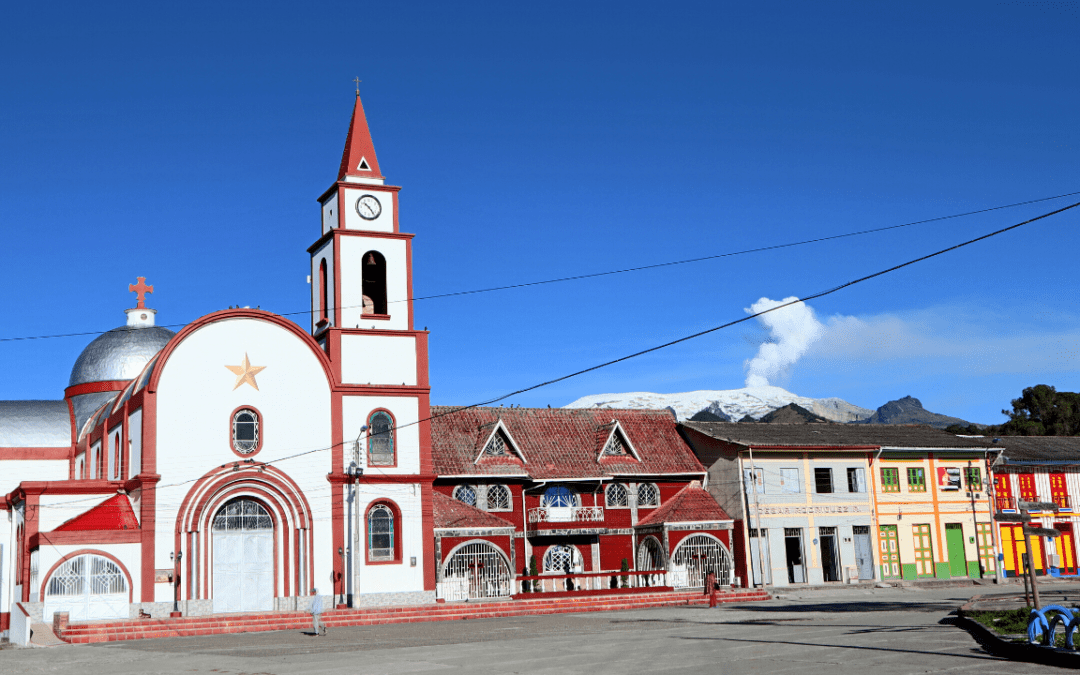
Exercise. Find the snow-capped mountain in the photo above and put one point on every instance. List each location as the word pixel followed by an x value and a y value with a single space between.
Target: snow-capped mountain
pixel 732 404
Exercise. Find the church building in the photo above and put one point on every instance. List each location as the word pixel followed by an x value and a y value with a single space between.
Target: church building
pixel 246 463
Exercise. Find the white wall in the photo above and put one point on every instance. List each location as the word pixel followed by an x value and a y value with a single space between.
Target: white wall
pixel 15 471
pixel 330 213
pixel 398 578
pixel 353 221
pixel 326 252
pixel 397 279
pixel 355 412
pixel 378 359
pixel 196 399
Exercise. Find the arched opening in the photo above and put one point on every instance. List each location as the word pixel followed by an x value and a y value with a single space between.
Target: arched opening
pixel 243 553
pixel 381 439
pixel 476 569
pixel 87 586
pixel 650 555
pixel 695 557
pixel 374 282
pixel 562 559
pixel 324 292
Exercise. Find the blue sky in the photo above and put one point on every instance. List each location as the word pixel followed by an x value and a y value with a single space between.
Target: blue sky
pixel 187 143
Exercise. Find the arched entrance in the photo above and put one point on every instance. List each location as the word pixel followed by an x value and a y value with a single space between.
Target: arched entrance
pixel 695 557
pixel 87 587
pixel 475 570
pixel 650 555
pixel 243 541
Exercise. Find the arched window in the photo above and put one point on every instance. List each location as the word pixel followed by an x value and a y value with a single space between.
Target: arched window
pixel 324 292
pixel 245 431
pixel 648 495
pixel 114 465
pixel 558 496
pixel 466 494
pixel 561 559
pixel 381 542
pixel 617 496
pixel 374 283
pixel 87 586
pixel 381 439
pixel 498 498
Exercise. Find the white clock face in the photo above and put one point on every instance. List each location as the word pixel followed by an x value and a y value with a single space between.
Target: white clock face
pixel 368 207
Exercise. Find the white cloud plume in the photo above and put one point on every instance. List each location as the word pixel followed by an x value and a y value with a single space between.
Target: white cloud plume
pixel 792 330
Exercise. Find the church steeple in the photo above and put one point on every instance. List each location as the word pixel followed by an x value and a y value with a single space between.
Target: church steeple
pixel 358 159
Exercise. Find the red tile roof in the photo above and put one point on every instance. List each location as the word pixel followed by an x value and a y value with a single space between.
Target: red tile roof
pixel 451 513
pixel 560 442
pixel 689 505
pixel 115 513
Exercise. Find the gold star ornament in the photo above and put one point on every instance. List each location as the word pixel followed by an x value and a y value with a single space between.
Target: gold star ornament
pixel 245 373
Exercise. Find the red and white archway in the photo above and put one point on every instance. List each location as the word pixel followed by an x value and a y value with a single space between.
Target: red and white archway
pixel 245 519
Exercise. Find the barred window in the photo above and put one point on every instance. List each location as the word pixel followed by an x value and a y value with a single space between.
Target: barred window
pixel 615 446
pixel 243 514
pixel 498 498
pixel 496 446
pixel 648 495
pixel 380 533
pixel 466 494
pixel 617 496
pixel 245 431
pixel 380 439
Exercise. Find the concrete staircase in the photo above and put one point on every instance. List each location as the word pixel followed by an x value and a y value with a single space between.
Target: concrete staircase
pixel 219 624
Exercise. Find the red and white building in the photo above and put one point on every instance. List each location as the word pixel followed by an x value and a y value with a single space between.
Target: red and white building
pixel 584 490
pixel 245 461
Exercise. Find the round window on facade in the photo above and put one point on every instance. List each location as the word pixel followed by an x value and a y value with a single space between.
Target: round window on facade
pixel 245 431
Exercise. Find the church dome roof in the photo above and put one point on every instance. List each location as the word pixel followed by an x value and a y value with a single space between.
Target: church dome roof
pixel 119 354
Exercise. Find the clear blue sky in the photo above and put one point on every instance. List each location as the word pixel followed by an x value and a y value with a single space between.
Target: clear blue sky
pixel 187 143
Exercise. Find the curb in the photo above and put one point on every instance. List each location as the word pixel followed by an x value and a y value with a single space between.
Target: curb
pixel 1014 651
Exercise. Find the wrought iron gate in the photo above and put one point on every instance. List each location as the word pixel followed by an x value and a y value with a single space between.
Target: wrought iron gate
pixel 696 556
pixel 243 558
pixel 87 587
pixel 475 571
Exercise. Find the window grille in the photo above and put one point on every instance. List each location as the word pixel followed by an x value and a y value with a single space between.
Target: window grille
pixel 792 532
pixel 562 559
pixel 245 427
pixel 86 575
pixel 826 531
pixel 243 514
pixel 823 480
pixel 498 498
pixel 648 495
pixel 615 445
pixel 860 529
pixel 496 446
pixel 466 494
pixel 617 495
pixel 380 439
pixel 380 533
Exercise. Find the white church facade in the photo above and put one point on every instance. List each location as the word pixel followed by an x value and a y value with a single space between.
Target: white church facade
pixel 243 462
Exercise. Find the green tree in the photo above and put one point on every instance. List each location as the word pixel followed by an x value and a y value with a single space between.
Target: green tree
pixel 1043 411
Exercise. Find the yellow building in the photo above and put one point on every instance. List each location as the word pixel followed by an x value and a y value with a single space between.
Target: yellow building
pixel 934 510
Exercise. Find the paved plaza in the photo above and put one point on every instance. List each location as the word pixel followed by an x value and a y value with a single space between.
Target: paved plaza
pixel 880 631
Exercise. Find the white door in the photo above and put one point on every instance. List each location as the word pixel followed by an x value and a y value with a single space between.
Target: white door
pixel 243 539
pixel 87 587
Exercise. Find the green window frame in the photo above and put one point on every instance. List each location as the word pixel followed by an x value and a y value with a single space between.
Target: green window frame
pixel 973 477
pixel 890 479
pixel 916 479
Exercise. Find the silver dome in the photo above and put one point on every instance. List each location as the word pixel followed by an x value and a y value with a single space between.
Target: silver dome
pixel 119 354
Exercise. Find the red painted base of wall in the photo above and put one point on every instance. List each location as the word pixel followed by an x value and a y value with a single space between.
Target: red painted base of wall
pixel 599 591
pixel 221 624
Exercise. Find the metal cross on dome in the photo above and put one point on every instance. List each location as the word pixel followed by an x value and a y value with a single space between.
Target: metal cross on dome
pixel 140 289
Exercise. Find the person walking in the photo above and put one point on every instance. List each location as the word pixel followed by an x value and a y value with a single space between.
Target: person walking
pixel 316 613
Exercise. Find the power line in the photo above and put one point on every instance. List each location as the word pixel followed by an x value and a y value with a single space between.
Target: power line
pixel 686 338
pixel 579 277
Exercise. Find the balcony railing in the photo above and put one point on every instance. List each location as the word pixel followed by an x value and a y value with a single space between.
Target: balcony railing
pixel 567 514
pixel 1003 503
pixel 596 581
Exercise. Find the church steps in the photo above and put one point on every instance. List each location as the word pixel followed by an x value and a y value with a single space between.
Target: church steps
pixel 141 629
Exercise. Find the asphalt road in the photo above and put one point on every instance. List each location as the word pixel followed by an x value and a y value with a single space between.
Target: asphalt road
pixel 876 632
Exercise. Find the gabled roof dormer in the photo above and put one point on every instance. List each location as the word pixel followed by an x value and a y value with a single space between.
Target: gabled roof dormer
pixel 614 444
pixel 494 444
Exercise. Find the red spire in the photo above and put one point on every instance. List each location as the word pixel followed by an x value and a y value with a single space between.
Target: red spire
pixel 358 159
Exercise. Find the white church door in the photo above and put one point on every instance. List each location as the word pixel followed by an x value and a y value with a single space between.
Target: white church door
pixel 87 587
pixel 243 558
